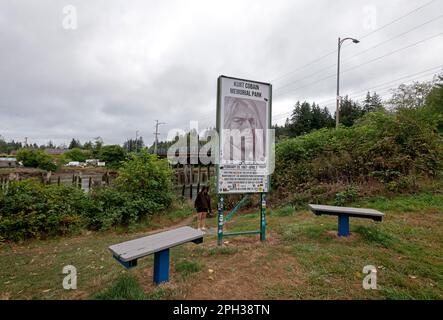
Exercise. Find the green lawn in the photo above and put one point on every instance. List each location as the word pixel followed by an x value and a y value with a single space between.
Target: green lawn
pixel 302 258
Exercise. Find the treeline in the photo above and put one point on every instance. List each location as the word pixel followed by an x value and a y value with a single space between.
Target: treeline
pixel 40 157
pixel 306 117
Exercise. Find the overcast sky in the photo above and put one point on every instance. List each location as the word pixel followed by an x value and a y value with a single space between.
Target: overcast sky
pixel 129 63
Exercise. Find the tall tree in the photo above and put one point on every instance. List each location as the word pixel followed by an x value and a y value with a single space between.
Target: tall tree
pixel 411 95
pixel 372 103
pixel 75 144
pixel 134 145
pixel 301 119
pixel 349 111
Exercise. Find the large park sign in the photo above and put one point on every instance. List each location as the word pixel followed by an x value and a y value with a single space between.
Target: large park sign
pixel 245 158
pixel 243 124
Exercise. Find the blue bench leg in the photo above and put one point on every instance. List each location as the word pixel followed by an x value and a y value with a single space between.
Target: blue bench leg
pixel 161 266
pixel 343 225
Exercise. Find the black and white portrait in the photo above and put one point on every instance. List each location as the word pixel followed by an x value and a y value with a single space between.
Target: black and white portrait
pixel 244 130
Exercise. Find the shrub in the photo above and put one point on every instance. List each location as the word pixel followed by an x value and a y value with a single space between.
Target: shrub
pixel 36 159
pixel 76 154
pixel 113 155
pixel 29 209
pixel 142 188
pixel 383 146
pixel 349 195
pixel 148 178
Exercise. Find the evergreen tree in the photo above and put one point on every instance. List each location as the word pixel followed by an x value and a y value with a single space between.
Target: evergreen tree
pixel 372 103
pixel 75 144
pixel 349 111
pixel 301 119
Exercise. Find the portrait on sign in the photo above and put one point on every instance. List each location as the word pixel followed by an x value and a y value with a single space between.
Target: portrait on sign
pixel 244 130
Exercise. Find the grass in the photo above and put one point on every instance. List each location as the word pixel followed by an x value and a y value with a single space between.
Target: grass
pixel 301 259
pixel 124 288
pixel 405 203
pixel 374 234
pixel 187 268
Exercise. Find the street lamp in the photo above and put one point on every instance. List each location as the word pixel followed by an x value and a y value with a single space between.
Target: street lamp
pixel 337 110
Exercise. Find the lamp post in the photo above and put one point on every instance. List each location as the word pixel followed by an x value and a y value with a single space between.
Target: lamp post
pixel 337 110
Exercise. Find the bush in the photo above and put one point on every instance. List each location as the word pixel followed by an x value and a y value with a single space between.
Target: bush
pixel 76 154
pixel 113 155
pixel 143 187
pixel 347 196
pixel 29 209
pixel 388 147
pixel 146 177
pixel 36 159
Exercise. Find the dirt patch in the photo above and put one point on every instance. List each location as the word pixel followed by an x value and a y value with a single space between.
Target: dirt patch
pixel 244 275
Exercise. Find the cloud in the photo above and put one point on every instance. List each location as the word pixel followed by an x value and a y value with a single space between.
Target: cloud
pixel 131 63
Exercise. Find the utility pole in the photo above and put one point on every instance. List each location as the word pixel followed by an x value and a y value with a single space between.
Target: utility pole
pixel 337 109
pixel 156 134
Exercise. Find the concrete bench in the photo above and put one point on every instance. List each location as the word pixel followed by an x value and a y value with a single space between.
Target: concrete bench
pixel 158 244
pixel 344 213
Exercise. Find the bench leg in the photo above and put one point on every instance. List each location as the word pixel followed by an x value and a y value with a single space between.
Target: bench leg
pixel 343 225
pixel 161 266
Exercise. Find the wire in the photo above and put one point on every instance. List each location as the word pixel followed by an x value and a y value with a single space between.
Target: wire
pixel 360 53
pixel 322 103
pixel 362 64
pixel 361 37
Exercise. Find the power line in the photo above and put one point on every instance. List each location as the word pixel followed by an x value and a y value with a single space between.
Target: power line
pixel 355 95
pixel 364 51
pixel 361 37
pixel 389 82
pixel 362 64
pixel 322 103
pixel 398 19
pixel 325 103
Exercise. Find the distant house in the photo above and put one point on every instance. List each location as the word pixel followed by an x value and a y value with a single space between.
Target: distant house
pixel 74 164
pixel 8 162
pixel 101 164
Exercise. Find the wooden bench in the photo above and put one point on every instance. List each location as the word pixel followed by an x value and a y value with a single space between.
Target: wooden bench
pixel 344 213
pixel 158 244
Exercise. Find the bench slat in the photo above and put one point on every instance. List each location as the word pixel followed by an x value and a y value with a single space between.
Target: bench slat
pixel 141 247
pixel 334 210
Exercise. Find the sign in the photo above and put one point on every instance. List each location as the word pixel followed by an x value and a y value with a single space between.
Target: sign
pixel 243 122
